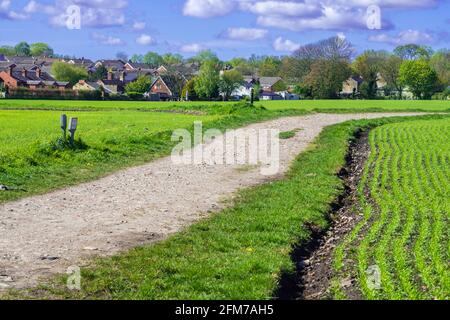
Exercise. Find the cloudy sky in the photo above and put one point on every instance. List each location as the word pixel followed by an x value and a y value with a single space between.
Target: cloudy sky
pixel 229 27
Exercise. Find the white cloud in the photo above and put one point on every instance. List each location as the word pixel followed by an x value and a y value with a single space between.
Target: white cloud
pixel 285 45
pixel 299 15
pixel 208 8
pixel 7 13
pixel 405 37
pixel 107 40
pixel 245 34
pixel 139 26
pixel 192 48
pixel 145 40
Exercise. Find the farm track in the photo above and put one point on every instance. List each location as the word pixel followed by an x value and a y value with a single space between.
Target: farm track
pixel 43 235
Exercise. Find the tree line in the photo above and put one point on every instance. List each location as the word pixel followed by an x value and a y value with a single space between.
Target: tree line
pixel 315 70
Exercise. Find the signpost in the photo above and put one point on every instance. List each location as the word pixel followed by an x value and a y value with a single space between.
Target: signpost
pixel 64 125
pixel 72 128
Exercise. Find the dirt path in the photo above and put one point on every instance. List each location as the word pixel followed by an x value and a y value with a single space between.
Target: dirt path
pixel 43 235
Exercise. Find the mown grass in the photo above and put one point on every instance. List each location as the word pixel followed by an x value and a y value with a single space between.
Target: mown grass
pixel 405 227
pixel 32 161
pixel 238 253
pixel 305 105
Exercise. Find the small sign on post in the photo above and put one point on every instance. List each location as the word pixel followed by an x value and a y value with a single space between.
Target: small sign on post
pixel 64 125
pixel 72 128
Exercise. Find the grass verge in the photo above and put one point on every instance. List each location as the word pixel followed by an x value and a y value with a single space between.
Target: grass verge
pixel 238 253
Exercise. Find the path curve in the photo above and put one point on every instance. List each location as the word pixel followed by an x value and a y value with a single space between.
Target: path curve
pixel 43 235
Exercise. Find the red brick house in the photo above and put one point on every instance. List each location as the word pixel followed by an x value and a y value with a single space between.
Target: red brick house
pixel 31 77
pixel 166 87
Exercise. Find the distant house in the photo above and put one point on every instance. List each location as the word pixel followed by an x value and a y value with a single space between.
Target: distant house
pixel 351 85
pixel 31 77
pixel 268 95
pixel 112 84
pixel 112 65
pixel 133 66
pixel 268 84
pixel 166 87
pixel 286 95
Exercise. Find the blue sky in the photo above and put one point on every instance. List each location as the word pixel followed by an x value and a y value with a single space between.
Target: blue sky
pixel 229 27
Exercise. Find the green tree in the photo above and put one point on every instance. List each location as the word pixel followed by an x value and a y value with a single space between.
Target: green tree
pixel 242 65
pixel 141 85
pixel 22 49
pixel 369 66
pixel 413 52
pixel 100 73
pixel 269 67
pixel 326 78
pixel 7 50
pixel 440 62
pixel 67 72
pixel 189 90
pixel 137 58
pixel 153 59
pixel 207 83
pixel 170 59
pixel 230 81
pixel 41 49
pixel 390 69
pixel 204 56
pixel 420 78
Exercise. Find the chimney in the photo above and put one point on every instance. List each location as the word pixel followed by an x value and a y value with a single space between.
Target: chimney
pixel 110 75
pixel 38 72
pixel 24 72
pixel 10 69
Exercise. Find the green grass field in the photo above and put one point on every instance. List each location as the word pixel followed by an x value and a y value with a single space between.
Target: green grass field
pixel 405 228
pixel 241 252
pixel 307 105
pixel 33 160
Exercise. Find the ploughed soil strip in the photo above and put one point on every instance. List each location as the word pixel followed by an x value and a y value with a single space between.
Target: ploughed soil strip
pixel 314 260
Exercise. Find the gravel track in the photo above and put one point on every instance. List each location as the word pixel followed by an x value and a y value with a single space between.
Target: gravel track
pixel 43 235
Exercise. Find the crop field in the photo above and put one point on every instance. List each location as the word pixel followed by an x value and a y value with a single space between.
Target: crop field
pixel 32 158
pixel 405 201
pixel 305 105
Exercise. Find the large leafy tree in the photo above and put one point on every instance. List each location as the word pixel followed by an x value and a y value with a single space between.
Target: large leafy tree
pixel 420 78
pixel 369 66
pixel 413 52
pixel 326 77
pixel 230 81
pixel 137 58
pixel 269 67
pixel 153 59
pixel 100 73
pixel 67 72
pixel 7 50
pixel 390 69
pixel 141 85
pixel 41 49
pixel 207 82
pixel 440 62
pixel 170 59
pixel 242 65
pixel 204 56
pixel 22 49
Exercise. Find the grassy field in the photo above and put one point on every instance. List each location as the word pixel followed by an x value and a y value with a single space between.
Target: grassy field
pixel 405 228
pixel 33 159
pixel 306 105
pixel 241 252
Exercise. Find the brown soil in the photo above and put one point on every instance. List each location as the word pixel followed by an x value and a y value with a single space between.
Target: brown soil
pixel 314 261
